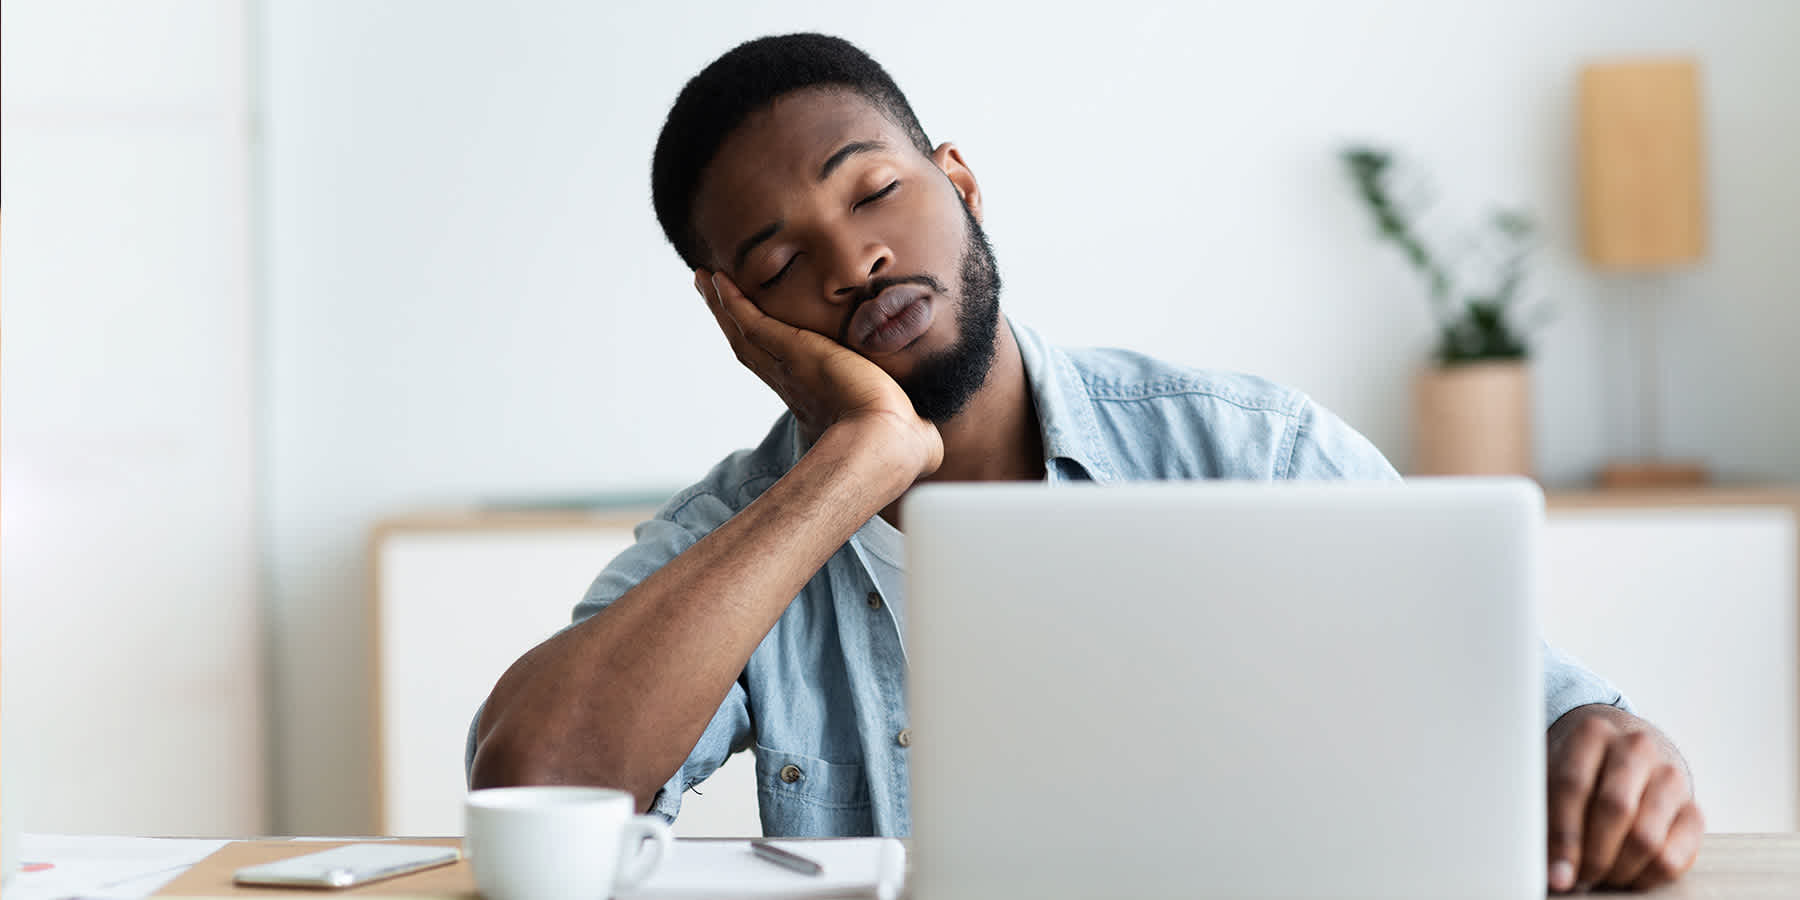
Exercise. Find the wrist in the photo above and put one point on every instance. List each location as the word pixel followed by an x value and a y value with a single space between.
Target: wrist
pixel 902 451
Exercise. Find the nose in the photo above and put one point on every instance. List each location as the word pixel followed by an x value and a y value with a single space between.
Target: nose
pixel 856 264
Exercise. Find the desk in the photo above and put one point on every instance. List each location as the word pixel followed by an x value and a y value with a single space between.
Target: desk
pixel 1730 867
pixel 1741 867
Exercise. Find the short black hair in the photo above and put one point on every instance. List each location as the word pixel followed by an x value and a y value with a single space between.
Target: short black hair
pixel 746 79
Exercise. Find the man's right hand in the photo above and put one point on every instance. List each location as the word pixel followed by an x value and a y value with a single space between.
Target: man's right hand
pixel 823 382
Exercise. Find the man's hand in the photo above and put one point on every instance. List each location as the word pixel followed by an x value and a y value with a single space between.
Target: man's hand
pixel 1622 812
pixel 821 381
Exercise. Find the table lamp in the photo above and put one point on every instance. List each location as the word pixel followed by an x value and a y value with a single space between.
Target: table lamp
pixel 1643 210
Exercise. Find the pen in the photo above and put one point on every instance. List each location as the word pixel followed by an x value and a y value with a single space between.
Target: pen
pixel 786 859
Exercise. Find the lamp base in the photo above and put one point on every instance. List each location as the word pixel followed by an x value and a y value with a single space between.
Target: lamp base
pixel 1641 474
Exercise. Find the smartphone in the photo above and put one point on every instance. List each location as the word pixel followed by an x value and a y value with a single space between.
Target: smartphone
pixel 347 866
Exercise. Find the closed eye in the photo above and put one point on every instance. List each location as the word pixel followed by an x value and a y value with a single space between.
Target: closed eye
pixel 880 194
pixel 777 276
pixel 774 279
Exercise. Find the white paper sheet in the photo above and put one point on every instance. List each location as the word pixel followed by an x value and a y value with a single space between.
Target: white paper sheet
pixel 55 866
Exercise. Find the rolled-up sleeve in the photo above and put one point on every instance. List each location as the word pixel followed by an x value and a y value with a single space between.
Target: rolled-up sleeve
pixel 1568 684
pixel 656 542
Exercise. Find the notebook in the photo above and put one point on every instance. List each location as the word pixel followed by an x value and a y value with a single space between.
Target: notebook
pixel 727 870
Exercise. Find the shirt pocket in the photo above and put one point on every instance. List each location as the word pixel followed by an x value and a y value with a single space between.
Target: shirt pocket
pixel 795 789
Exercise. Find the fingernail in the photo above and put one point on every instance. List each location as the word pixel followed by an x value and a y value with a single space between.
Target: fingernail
pixel 1562 875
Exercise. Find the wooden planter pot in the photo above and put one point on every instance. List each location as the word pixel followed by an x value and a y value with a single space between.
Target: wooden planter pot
pixel 1473 419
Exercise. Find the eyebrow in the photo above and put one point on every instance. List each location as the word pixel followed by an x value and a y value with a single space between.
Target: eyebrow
pixel 845 152
pixel 831 165
pixel 749 243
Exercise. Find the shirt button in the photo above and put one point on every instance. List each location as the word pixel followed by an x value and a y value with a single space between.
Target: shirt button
pixel 874 599
pixel 904 737
pixel 790 774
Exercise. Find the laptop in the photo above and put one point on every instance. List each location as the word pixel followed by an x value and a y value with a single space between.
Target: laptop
pixel 1226 689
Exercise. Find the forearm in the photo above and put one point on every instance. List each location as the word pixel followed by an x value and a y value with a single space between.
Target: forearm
pixel 621 699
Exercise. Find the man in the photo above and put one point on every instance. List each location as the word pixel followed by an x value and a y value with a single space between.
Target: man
pixel 842 256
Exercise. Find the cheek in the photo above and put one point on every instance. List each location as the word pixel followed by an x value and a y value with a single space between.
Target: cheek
pixel 790 306
pixel 782 304
pixel 935 240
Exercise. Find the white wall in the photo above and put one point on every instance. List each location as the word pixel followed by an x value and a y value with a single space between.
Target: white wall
pixel 469 297
pixel 133 695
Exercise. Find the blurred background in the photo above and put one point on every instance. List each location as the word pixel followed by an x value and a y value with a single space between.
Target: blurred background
pixel 274 272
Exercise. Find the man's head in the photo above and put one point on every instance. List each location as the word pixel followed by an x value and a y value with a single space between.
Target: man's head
pixel 795 166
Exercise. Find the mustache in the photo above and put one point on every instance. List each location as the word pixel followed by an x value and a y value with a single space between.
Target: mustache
pixel 874 288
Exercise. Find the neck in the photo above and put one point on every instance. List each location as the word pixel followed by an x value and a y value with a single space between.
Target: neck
pixel 996 437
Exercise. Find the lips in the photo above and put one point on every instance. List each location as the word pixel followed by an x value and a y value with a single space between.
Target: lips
pixel 894 319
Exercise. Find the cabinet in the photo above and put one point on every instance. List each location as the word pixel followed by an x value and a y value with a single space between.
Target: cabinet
pixel 457 597
pixel 1686 600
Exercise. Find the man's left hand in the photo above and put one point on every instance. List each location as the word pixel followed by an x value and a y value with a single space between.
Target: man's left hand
pixel 1622 810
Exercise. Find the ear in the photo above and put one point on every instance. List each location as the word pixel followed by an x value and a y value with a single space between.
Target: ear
pixel 950 160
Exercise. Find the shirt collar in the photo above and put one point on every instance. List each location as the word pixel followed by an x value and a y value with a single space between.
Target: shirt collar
pixel 1073 448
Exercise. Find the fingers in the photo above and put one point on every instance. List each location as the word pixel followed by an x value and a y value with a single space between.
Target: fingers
pixel 703 287
pixel 1574 768
pixel 1664 797
pixel 1613 807
pixel 1621 811
pixel 775 337
pixel 754 357
pixel 1678 852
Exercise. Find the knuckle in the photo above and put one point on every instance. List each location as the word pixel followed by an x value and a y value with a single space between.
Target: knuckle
pixel 1642 840
pixel 1564 841
pixel 1613 801
pixel 1638 742
pixel 1594 728
pixel 1566 778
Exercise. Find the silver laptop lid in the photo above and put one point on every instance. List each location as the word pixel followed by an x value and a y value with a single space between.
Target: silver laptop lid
pixel 1226 689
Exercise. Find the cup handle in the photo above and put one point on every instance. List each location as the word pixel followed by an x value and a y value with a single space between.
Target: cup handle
pixel 635 864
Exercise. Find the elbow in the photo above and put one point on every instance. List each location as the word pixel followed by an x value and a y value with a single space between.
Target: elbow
pixel 499 763
pixel 503 759
pixel 507 755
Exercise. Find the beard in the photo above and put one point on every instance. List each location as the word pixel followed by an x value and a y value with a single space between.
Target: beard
pixel 942 383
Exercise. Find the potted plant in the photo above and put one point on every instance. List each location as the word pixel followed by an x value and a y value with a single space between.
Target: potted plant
pixel 1473 402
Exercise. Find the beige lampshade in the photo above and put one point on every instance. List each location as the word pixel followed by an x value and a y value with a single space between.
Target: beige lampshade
pixel 1643 200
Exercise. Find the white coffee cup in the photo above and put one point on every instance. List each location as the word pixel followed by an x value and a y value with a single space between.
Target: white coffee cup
pixel 560 843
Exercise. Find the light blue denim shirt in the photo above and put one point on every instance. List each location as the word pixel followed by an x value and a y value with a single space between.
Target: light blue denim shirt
pixel 822 701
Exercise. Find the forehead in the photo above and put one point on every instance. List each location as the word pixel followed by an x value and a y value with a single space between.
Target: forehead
pixel 776 153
